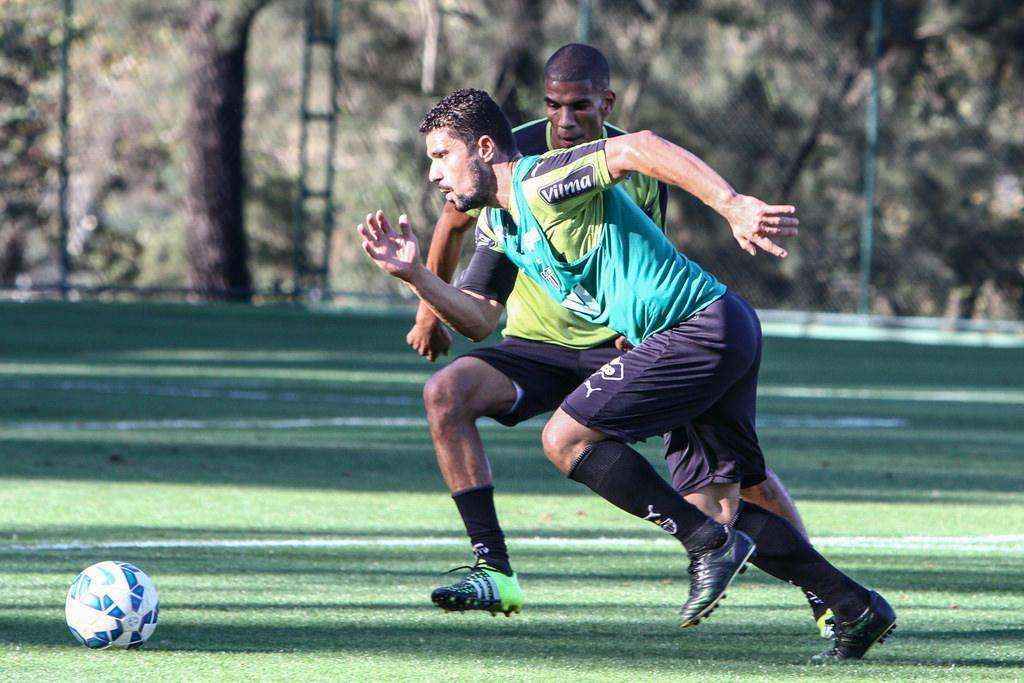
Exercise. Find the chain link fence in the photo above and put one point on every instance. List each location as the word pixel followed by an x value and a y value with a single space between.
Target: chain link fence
pixel 782 98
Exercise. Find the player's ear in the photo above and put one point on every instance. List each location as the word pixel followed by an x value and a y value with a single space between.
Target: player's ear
pixel 485 148
pixel 607 102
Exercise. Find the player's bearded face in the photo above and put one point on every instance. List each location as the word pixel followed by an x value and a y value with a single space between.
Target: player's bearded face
pixel 466 180
pixel 482 186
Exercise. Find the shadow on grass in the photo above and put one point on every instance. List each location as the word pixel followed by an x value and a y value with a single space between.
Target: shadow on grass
pixel 558 566
pixel 395 461
pixel 659 645
pixel 60 329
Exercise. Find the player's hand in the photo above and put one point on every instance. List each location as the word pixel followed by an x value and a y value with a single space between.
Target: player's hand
pixel 396 253
pixel 754 224
pixel 622 344
pixel 430 339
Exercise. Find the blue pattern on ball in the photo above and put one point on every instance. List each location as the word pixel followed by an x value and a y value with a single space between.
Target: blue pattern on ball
pixel 77 635
pixel 129 575
pixel 100 640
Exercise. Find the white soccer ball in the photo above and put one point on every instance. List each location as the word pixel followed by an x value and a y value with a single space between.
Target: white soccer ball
pixel 112 604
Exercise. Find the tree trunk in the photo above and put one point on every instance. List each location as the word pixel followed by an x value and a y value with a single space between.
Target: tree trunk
pixel 430 12
pixel 12 255
pixel 518 65
pixel 216 244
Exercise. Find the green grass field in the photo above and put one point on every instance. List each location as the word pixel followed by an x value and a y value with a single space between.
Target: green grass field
pixel 187 431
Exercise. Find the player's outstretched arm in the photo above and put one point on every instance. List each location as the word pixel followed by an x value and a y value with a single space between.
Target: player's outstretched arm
pixel 428 336
pixel 754 223
pixel 397 254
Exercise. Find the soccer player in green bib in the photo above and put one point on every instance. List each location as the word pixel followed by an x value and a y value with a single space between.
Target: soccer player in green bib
pixel 548 350
pixel 577 234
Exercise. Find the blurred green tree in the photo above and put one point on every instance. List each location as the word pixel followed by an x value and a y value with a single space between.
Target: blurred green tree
pixel 29 54
pixel 771 94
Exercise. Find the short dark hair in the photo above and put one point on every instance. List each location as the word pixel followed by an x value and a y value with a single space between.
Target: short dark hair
pixel 578 62
pixel 471 113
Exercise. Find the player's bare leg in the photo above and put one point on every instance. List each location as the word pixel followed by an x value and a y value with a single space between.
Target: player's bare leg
pixel 455 398
pixel 626 479
pixel 720 502
pixel 772 495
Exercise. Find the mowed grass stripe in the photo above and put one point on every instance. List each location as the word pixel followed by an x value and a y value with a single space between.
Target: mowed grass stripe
pixel 334 376
pixel 900 394
pixel 1010 544
pixel 784 421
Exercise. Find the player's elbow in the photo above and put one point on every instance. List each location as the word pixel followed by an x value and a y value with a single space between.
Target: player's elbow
pixel 482 329
pixel 479 331
pixel 490 316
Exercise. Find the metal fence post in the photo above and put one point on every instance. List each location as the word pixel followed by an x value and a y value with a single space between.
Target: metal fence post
pixel 62 170
pixel 326 119
pixel 298 223
pixel 870 156
pixel 332 134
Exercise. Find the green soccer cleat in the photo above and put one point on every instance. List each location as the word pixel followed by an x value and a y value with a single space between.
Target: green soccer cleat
pixel 854 638
pixel 484 588
pixel 826 624
pixel 822 615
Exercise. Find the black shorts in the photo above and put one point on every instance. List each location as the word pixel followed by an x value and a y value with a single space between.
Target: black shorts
pixel 543 374
pixel 695 383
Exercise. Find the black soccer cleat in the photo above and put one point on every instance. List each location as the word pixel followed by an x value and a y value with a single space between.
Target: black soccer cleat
pixel 711 572
pixel 854 638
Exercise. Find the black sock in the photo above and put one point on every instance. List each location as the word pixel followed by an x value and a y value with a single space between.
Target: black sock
pixel 477 509
pixel 624 478
pixel 785 554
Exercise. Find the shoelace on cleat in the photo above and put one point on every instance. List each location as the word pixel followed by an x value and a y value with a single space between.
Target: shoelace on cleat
pixel 845 639
pixel 696 569
pixel 476 577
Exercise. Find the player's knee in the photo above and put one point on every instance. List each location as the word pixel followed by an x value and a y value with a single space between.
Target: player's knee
pixel 553 441
pixel 444 397
pixel 720 502
pixel 754 494
pixel 763 494
pixel 560 445
pixel 550 439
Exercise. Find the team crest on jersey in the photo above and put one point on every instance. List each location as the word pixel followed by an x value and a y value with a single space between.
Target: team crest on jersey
pixel 576 183
pixel 549 277
pixel 613 371
pixel 581 301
